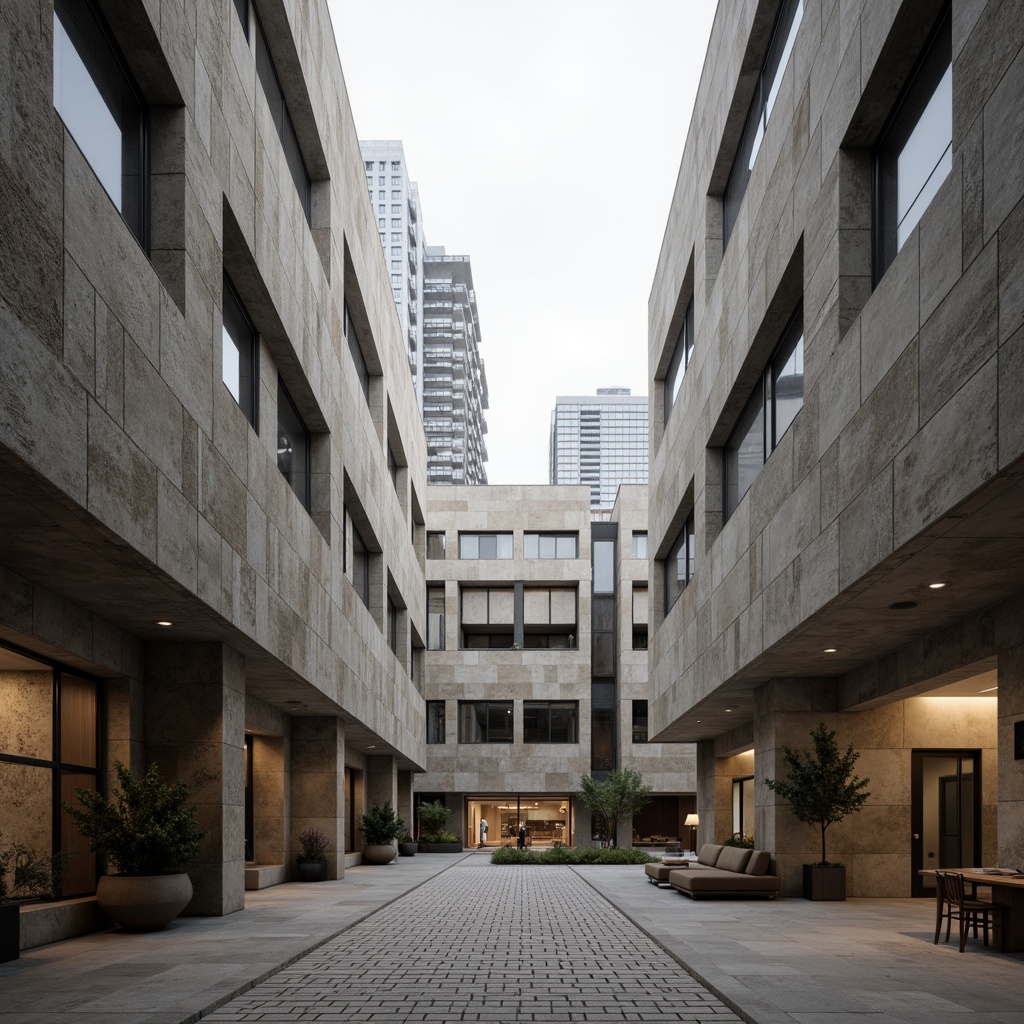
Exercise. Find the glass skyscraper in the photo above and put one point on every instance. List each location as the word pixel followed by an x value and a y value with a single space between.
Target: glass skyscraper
pixel 599 441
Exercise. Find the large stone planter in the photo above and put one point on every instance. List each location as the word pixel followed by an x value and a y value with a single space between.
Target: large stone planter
pixel 143 903
pixel 10 931
pixel 407 849
pixel 824 883
pixel 379 853
pixel 312 870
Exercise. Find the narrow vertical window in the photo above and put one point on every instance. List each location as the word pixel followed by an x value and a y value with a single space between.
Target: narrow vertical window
pixel 639 721
pixel 915 152
pixel 680 361
pixel 679 565
pixel 435 618
pixel 102 108
pixel 293 445
pixel 435 545
pixel 362 374
pixel 239 348
pixel 392 626
pixel 435 721
pixel 360 567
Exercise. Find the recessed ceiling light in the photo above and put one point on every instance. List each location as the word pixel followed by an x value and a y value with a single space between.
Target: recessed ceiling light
pixel 370 746
pixel 728 711
pixel 164 622
pixel 830 650
pixel 989 690
pixel 936 586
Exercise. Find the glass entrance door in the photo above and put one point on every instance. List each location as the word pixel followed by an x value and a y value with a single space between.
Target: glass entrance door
pixel 945 813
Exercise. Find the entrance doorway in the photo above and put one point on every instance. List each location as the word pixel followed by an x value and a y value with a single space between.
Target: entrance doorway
pixel 945 813
pixel 548 819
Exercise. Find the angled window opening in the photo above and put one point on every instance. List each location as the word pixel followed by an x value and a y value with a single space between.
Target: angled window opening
pixel 103 109
pixel 240 354
pixel 293 446
pixel 681 356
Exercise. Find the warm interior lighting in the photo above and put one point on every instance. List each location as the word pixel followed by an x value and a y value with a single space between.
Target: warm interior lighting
pixel 936 586
pixel 164 622
pixel 693 820
pixel 830 650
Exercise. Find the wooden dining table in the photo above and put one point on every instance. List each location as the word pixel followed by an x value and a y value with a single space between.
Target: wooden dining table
pixel 1007 890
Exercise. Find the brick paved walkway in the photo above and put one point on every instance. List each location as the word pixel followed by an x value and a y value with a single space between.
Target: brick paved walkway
pixel 485 943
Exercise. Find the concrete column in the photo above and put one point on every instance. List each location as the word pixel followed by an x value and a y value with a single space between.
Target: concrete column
pixel 1011 771
pixel 318 786
pixel 194 721
pixel 706 795
pixel 124 724
pixel 787 711
pixel 404 805
pixel 381 780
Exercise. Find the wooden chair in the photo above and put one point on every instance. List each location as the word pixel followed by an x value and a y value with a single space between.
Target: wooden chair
pixel 941 905
pixel 966 911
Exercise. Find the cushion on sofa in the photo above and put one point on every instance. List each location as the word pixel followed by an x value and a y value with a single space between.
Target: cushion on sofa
pixel 721 882
pixel 733 858
pixel 709 854
pixel 759 863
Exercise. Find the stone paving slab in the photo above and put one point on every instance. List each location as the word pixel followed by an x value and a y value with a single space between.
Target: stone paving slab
pixel 512 943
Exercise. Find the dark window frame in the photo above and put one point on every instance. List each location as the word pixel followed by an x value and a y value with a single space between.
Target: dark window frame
pixel 535 538
pixel 767 394
pixel 640 721
pixel 541 733
pixel 681 556
pixel 392 617
pixel 435 633
pixel 75 12
pixel 773 69
pixel 933 64
pixel 248 398
pixel 681 356
pixel 464 536
pixel 358 359
pixel 436 722
pixel 500 707
pixel 360 566
pixel 436 539
pixel 301 487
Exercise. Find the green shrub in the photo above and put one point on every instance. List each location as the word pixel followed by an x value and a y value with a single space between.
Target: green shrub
pixel 744 841
pixel 24 875
pixel 147 828
pixel 432 818
pixel 572 855
pixel 381 826
pixel 315 847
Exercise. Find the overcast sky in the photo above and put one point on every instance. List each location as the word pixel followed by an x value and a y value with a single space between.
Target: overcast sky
pixel 545 136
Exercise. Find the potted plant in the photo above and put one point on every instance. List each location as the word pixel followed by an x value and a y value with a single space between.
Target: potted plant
pixel 147 830
pixel 312 862
pixel 822 790
pixel 434 837
pixel 406 845
pixel 24 878
pixel 381 827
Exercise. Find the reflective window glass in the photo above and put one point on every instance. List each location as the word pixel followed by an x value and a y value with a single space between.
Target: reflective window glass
pixel 914 154
pixel 604 566
pixel 293 446
pixel 239 348
pixel 679 564
pixel 101 107
pixel 435 618
pixel 435 721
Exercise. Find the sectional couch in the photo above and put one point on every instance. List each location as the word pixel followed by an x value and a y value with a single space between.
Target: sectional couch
pixel 720 871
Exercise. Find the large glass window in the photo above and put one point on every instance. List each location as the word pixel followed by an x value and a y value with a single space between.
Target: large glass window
pixel 435 618
pixel 240 352
pixel 776 399
pixel 49 746
pixel 362 374
pixel 915 152
pixel 639 721
pixel 485 545
pixel 546 721
pixel 102 108
pixel 360 567
pixel 549 545
pixel 761 107
pixel 435 545
pixel 485 721
pixel 435 721
pixel 680 361
pixel 639 549
pixel 266 71
pixel 604 566
pixel 293 445
pixel 680 563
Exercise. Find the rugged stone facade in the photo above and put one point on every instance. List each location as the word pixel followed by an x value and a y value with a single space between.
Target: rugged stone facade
pixel 811 601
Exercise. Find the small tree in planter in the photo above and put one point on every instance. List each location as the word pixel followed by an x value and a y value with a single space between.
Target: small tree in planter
pixel 312 862
pixel 381 827
pixel 822 790
pixel 147 830
pixel 623 794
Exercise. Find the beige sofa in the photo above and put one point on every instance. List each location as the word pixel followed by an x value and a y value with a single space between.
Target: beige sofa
pixel 726 871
